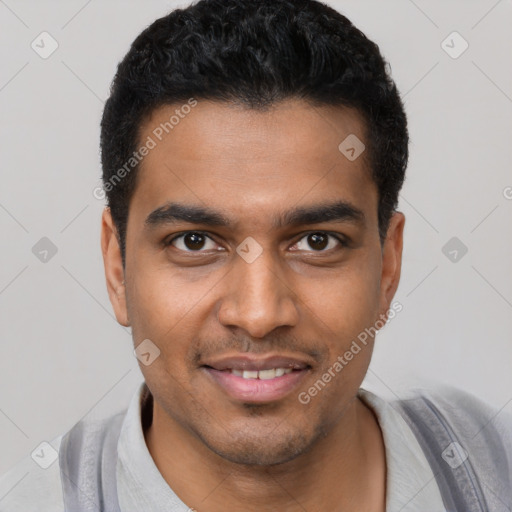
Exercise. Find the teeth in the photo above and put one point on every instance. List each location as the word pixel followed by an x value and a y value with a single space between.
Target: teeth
pixel 262 374
pixel 267 374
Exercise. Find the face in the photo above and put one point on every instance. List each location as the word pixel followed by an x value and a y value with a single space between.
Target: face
pixel 253 262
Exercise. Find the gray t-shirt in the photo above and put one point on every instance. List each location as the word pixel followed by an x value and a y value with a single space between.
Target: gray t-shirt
pixel 411 486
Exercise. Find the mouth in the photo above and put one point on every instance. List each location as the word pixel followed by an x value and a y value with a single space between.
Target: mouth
pixel 257 380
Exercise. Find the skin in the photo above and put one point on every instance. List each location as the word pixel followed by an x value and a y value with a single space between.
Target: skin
pixel 293 300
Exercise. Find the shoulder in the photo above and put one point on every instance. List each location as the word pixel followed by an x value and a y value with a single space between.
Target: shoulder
pixel 456 427
pixel 34 484
pixel 471 415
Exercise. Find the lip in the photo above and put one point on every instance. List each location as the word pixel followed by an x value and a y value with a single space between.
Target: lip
pixel 256 390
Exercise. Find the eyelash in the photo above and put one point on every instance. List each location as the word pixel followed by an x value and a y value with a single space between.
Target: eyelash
pixel 343 242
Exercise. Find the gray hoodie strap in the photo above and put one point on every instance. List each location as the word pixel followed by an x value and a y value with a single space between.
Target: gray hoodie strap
pixel 88 459
pixel 447 455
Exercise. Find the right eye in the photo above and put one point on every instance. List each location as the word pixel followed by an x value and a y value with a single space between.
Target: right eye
pixel 191 241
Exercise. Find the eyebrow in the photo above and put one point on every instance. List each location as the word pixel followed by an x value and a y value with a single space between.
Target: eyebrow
pixel 173 213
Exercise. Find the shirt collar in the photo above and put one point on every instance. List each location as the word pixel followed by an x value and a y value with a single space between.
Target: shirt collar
pixel 140 485
pixel 410 482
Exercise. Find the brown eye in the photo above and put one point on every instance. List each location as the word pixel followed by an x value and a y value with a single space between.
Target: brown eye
pixel 319 241
pixel 191 241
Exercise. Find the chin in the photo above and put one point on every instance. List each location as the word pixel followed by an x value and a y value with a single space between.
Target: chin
pixel 267 449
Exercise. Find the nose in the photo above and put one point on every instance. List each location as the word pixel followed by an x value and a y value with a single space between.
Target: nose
pixel 258 298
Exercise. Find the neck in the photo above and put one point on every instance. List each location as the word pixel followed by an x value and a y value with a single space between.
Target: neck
pixel 345 470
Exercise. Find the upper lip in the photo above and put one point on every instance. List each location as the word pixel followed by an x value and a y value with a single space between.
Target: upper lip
pixel 253 363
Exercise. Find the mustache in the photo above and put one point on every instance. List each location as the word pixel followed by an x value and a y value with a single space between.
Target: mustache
pixel 257 346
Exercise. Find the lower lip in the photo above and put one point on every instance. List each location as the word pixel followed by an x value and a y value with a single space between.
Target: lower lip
pixel 257 390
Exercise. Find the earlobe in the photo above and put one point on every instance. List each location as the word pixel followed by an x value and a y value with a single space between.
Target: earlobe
pixel 114 271
pixel 391 261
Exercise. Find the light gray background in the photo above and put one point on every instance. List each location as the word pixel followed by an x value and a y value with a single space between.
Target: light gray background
pixel 63 355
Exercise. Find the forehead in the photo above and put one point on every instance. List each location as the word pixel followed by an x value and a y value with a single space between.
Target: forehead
pixel 249 163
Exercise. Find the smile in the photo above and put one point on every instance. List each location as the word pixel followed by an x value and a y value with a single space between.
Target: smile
pixel 255 380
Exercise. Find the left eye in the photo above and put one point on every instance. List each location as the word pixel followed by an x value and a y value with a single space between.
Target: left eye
pixel 319 242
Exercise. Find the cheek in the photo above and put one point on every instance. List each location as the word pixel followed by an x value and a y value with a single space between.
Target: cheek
pixel 165 314
pixel 346 301
pixel 162 303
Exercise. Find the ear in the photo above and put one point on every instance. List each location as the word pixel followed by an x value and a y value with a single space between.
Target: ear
pixel 391 261
pixel 114 272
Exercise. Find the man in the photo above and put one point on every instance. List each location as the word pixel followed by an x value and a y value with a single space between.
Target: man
pixel 252 153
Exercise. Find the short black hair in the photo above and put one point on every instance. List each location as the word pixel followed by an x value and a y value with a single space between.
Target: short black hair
pixel 255 53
